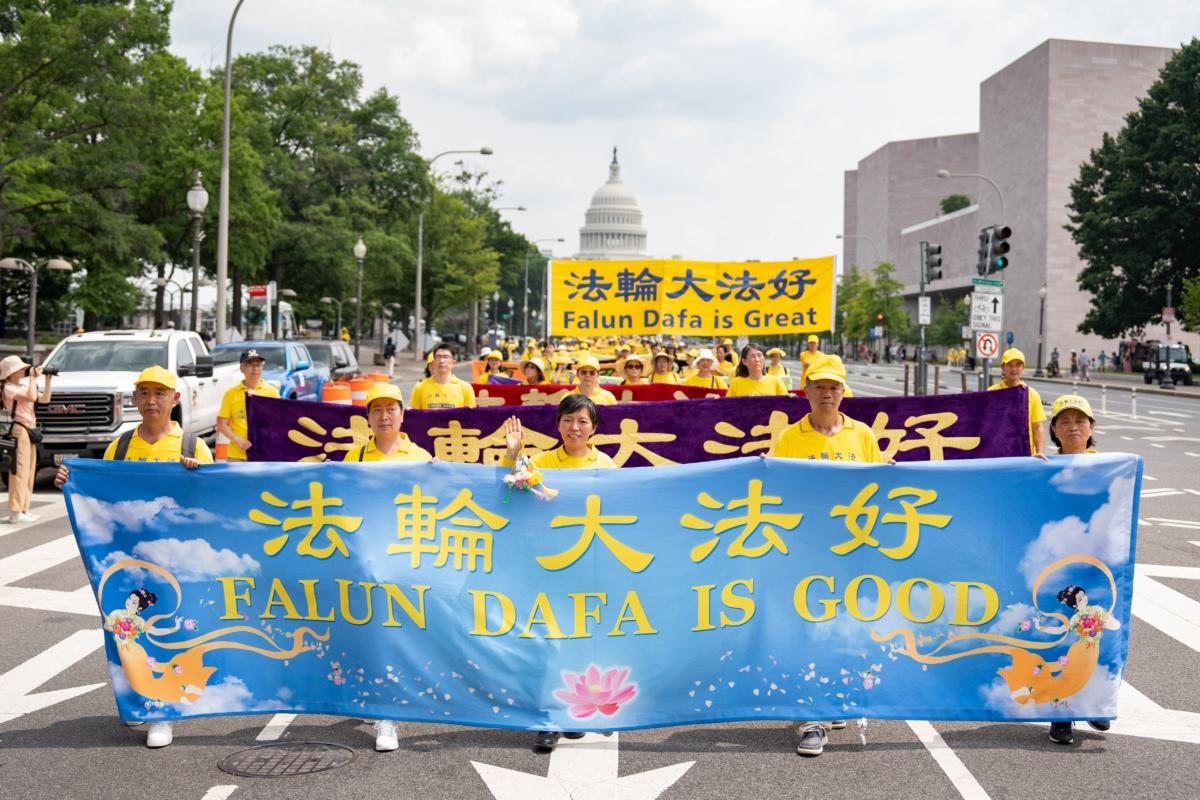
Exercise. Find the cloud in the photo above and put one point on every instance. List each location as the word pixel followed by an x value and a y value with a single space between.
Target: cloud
pixel 1006 621
pixel 230 696
pixel 1105 536
pixel 195 559
pixel 97 519
pixel 1098 698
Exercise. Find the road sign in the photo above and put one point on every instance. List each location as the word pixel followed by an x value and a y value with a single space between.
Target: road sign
pixel 923 310
pixel 1009 337
pixel 986 311
pixel 1168 314
pixel 993 285
pixel 257 292
pixel 987 344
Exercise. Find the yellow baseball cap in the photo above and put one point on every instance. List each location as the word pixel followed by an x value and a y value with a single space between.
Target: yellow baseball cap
pixel 384 391
pixel 496 354
pixel 727 341
pixel 813 339
pixel 775 351
pixel 587 360
pixel 1071 401
pixel 429 358
pixel 157 375
pixel 1012 354
pixel 693 352
pixel 562 357
pixel 826 367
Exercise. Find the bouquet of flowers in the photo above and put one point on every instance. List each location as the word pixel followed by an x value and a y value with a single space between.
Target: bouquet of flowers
pixel 1089 627
pixel 525 478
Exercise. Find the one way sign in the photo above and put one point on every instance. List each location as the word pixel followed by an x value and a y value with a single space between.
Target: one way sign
pixel 986 311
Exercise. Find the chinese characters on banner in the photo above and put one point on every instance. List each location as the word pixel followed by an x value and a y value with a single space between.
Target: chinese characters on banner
pixel 748 589
pixel 698 298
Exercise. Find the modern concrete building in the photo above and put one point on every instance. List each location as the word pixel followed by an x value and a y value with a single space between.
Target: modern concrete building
pixel 1039 118
pixel 613 223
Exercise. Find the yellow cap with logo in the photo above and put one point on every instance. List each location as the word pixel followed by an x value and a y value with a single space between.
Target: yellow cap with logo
pixel 585 361
pixel 1069 401
pixel 384 391
pixel 826 367
pixel 156 374
pixel 813 339
pixel 1012 354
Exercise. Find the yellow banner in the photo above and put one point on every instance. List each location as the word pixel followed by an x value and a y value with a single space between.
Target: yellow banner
pixel 698 298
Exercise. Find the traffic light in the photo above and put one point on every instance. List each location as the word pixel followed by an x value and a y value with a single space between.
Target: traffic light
pixel 879 317
pixel 933 261
pixel 985 250
pixel 999 259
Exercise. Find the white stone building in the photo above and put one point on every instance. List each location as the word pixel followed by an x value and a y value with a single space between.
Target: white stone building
pixel 613 227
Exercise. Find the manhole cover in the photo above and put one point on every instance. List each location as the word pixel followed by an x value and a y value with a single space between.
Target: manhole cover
pixel 284 759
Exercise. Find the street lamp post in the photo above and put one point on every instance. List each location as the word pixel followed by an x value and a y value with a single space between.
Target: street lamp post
pixel 1166 381
pixel 417 321
pixel 360 252
pixel 223 192
pixel 197 201
pixel 867 239
pixel 525 305
pixel 1038 373
pixel 181 291
pixel 56 264
pixel 338 303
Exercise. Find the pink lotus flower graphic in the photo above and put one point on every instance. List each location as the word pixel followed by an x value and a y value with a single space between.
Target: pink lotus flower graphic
pixel 595 691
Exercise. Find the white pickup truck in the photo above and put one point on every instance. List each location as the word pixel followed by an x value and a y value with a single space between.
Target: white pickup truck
pixel 92 399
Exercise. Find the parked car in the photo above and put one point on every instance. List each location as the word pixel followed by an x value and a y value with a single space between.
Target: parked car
pixel 92 399
pixel 336 356
pixel 1162 357
pixel 289 367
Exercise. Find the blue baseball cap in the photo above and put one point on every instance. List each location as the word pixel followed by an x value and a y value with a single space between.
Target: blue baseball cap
pixel 251 355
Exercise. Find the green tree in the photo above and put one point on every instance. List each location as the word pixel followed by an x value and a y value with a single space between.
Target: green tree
pixel 954 202
pixel 949 317
pixel 1189 304
pixel 1133 207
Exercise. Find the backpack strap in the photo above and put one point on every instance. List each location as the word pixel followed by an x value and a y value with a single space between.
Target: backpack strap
pixel 188 448
pixel 123 445
pixel 362 452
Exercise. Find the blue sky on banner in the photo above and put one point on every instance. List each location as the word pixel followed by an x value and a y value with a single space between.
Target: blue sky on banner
pixel 749 653
pixel 735 120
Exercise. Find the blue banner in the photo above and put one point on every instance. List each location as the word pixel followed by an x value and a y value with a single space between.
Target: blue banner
pixel 753 588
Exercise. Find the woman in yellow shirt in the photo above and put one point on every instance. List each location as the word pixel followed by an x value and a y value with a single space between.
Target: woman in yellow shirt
pixel 664 369
pixel 634 370
pixel 534 371
pixel 705 377
pixel 751 380
pixel 577 418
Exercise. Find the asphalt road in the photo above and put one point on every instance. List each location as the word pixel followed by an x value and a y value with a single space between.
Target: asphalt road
pixel 60 737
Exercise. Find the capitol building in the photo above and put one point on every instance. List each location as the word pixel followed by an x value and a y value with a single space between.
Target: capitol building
pixel 613 227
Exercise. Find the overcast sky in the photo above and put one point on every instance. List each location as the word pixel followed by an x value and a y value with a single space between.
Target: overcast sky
pixel 735 120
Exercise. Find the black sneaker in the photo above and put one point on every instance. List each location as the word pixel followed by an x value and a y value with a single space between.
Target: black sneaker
pixel 1101 725
pixel 546 740
pixel 1062 732
pixel 574 734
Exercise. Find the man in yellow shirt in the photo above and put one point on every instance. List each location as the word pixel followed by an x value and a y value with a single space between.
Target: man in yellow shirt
pixel 812 351
pixel 385 415
pixel 587 372
pixel 1012 366
pixel 231 419
pixel 825 433
pixel 442 389
pixel 156 438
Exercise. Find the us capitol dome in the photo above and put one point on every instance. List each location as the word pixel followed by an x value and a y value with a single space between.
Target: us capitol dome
pixel 613 224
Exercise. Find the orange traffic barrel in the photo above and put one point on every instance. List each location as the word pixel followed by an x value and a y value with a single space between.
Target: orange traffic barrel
pixel 358 390
pixel 336 392
pixel 222 447
pixel 378 377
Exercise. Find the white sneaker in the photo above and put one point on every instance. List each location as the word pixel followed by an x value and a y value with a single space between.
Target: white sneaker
pixel 159 734
pixel 18 517
pixel 386 739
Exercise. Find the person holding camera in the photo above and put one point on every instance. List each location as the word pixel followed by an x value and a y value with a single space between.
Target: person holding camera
pixel 19 398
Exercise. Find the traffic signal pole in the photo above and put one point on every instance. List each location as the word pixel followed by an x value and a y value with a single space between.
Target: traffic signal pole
pixel 931 270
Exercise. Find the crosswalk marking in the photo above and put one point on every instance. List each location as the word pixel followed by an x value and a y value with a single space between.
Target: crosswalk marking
pixel 37 559
pixel 1172 612
pixel 1177 523
pixel 275 728
pixel 17 685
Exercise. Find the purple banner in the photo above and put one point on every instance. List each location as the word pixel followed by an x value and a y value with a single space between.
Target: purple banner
pixel 931 428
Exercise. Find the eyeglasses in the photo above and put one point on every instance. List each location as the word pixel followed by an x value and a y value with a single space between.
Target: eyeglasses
pixel 633 366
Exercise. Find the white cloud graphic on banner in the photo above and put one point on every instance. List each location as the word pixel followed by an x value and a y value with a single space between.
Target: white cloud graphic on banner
pixel 1105 535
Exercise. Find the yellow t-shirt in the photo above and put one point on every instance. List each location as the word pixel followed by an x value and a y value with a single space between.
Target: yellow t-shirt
pixel 454 393
pixel 167 448
pixel 748 387
pixel 407 451
pixel 633 382
pixel 558 459
pixel 855 443
pixel 233 408
pixel 1037 414
pixel 670 378
pixel 711 382
pixel 601 397
pixel 807 358
pixel 779 371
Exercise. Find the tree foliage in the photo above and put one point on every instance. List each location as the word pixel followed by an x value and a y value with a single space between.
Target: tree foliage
pixel 1133 207
pixel 954 202
pixel 863 298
